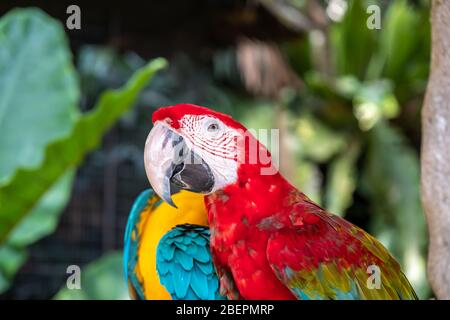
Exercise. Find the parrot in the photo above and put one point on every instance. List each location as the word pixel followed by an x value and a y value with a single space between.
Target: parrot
pixel 166 249
pixel 268 240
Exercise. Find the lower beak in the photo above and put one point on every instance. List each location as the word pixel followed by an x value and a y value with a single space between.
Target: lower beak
pixel 171 165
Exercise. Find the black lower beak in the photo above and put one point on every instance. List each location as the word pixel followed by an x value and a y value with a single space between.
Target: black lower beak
pixel 193 174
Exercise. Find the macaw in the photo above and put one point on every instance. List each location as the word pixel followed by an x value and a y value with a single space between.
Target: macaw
pixel 268 240
pixel 166 253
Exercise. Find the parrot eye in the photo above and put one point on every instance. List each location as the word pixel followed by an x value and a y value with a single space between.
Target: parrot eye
pixel 213 127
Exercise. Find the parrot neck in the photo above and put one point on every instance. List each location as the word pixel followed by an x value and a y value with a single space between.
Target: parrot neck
pixel 253 198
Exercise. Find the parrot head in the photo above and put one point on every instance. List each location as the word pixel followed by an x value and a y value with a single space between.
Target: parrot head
pixel 196 149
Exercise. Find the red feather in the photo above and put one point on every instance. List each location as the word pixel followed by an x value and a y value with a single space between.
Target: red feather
pixel 256 234
pixel 175 113
pixel 262 227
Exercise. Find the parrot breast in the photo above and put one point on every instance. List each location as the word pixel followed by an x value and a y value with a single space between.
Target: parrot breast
pixel 270 241
pixel 241 221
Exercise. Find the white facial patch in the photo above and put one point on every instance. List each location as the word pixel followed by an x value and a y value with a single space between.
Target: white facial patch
pixel 215 143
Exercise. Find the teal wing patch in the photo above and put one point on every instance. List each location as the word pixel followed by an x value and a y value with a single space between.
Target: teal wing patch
pixel 184 264
pixel 131 243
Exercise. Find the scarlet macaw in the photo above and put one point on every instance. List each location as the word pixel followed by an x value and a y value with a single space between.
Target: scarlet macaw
pixel 268 239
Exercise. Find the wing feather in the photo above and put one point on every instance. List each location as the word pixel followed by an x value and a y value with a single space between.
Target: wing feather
pixel 329 259
pixel 188 273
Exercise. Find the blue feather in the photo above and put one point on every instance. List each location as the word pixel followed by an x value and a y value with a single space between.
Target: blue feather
pixel 181 246
pixel 168 252
pixel 206 268
pixel 192 248
pixel 167 281
pixel 203 254
pixel 183 257
pixel 199 284
pixel 164 267
pixel 131 245
pixel 183 279
pixel 200 241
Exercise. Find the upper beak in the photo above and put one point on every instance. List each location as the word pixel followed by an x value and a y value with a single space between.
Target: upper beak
pixel 170 164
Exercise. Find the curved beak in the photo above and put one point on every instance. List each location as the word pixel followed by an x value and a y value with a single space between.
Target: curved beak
pixel 171 165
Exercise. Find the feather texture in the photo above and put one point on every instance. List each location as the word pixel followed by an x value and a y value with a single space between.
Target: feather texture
pixel 131 242
pixel 150 220
pixel 187 272
pixel 268 240
pixel 281 245
pixel 329 259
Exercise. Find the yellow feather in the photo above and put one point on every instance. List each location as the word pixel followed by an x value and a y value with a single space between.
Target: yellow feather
pixel 160 220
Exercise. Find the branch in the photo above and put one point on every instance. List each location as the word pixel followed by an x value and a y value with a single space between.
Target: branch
pixel 436 152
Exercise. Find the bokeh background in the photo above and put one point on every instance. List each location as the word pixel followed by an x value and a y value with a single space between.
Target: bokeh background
pixel 347 100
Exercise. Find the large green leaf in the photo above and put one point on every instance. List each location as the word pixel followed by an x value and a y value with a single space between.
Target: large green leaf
pixel 38 104
pixel 26 187
pixel 391 180
pixel 40 222
pixel 102 279
pixel 38 88
pixel 10 260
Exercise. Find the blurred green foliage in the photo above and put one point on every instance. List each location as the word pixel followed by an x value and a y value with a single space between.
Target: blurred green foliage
pixel 353 126
pixel 102 279
pixel 347 125
pixel 47 137
pixel 34 113
pixel 366 102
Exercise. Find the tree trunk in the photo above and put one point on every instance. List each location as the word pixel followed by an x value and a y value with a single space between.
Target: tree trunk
pixel 436 152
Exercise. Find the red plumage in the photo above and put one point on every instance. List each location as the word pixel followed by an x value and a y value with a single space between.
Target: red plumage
pixel 269 241
pixel 175 113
